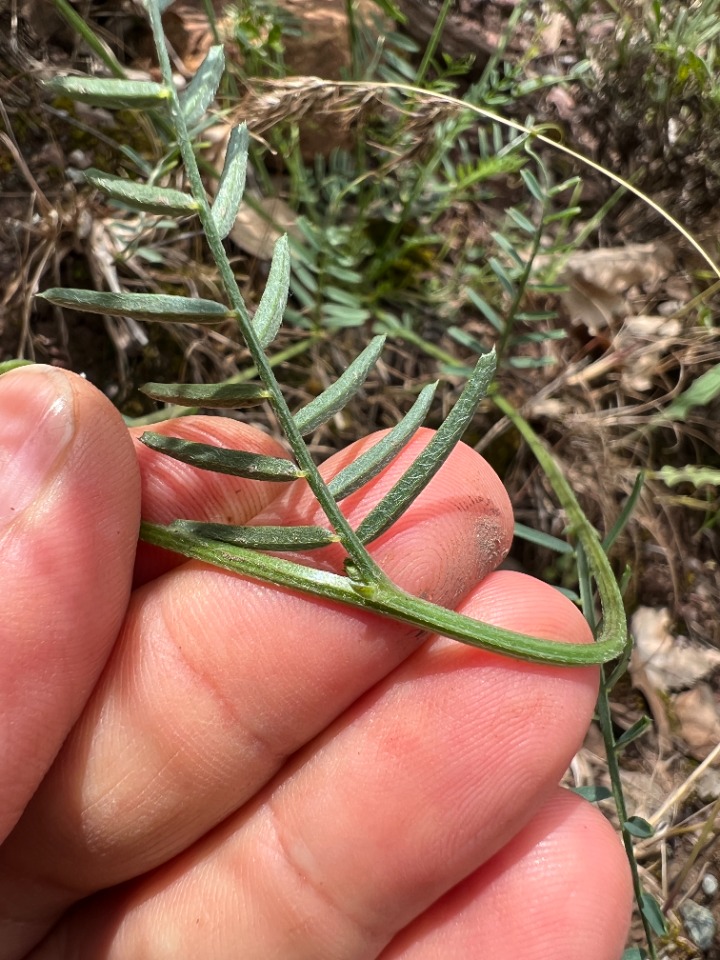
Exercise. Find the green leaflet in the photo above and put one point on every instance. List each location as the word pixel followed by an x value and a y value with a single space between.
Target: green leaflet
pixel 330 401
pixel 427 464
pixel 700 392
pixel 7 365
pixel 138 94
pixel 142 196
pixel 654 915
pixel 200 92
pixel 370 463
pixel 271 308
pixel 141 306
pixel 638 827
pixel 592 793
pixel 232 181
pixel 258 538
pixel 213 395
pixel 634 953
pixel 696 474
pixel 84 29
pixel 236 463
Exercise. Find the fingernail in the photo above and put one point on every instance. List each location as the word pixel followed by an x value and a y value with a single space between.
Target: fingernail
pixel 36 425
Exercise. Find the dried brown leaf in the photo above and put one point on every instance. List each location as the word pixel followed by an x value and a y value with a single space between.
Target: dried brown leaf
pixel 598 281
pixel 698 714
pixel 669 662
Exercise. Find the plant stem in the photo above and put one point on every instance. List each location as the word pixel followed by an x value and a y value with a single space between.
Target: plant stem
pixel 365 566
pixel 433 42
pixel 381 597
pixel 614 623
pixel 605 722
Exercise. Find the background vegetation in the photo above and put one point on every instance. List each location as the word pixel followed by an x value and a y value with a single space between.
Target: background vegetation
pixel 416 215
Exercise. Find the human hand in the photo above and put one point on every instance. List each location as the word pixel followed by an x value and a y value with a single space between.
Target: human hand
pixel 209 767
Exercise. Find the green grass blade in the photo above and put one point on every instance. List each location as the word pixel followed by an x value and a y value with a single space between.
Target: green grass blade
pixel 330 401
pixel 84 29
pixel 220 396
pixel 141 306
pixel 271 308
pixel 236 463
pixel 200 92
pixel 137 94
pixel 427 464
pixel 637 730
pixel 142 196
pixel 232 181
pixel 625 513
pixel 258 538
pixel 542 539
pixel 370 463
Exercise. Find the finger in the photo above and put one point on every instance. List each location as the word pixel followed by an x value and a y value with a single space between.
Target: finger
pixel 560 889
pixel 69 512
pixel 172 490
pixel 413 789
pixel 216 680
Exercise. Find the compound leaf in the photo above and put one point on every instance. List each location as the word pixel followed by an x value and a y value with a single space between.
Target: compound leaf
pixel 319 410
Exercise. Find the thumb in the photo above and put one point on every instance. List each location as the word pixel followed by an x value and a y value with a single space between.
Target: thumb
pixel 69 515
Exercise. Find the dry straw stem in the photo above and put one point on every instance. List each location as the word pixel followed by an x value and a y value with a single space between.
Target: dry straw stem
pixel 678 795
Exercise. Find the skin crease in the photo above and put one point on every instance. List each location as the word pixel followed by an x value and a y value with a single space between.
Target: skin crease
pixel 265 769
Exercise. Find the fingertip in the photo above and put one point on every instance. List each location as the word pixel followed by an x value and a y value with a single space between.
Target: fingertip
pixel 560 889
pixel 71 518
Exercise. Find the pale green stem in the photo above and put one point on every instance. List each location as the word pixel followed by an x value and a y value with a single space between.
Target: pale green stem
pixel 614 625
pixel 380 597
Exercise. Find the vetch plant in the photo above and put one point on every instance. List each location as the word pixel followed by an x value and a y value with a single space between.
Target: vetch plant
pixel 243 548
